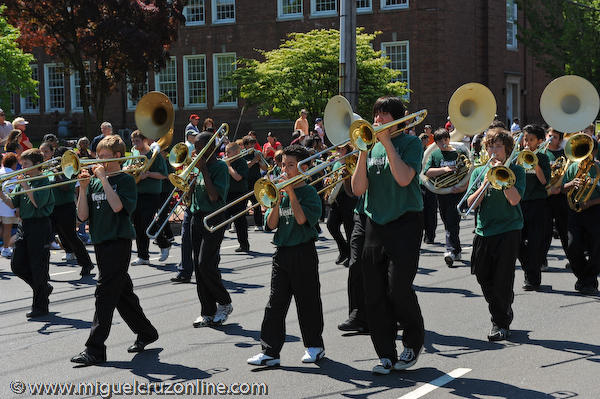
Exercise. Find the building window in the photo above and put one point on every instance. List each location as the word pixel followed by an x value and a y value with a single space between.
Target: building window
pixel 55 87
pixel 166 80
pixel 194 80
pixel 132 100
pixel 29 104
pixel 194 12
pixel 323 7
pixel 364 6
pixel 224 65
pixel 397 52
pixel 393 4
pixel 223 11
pixel 289 9
pixel 75 85
pixel 511 25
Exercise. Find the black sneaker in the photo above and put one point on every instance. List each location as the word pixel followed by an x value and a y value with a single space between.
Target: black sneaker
pixel 407 359
pixel 180 279
pixel 242 249
pixel 498 333
pixel 341 259
pixel 586 289
pixel 353 326
pixel 530 287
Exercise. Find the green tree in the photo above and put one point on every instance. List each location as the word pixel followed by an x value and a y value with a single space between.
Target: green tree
pixel 303 73
pixel 15 72
pixel 563 35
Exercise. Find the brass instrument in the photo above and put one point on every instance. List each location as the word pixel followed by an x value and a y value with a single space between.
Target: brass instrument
pixel 51 165
pixel 452 178
pixel 363 135
pixel 471 108
pixel 528 159
pixel 241 154
pixel 577 196
pixel 577 148
pixel 557 171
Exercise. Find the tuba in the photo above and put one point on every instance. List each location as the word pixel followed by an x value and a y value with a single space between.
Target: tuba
pixel 577 196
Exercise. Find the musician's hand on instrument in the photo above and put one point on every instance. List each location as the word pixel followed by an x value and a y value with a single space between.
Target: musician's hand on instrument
pixel 577 182
pixel 449 168
pixel 144 175
pixel 100 172
pixel 384 136
pixel 85 176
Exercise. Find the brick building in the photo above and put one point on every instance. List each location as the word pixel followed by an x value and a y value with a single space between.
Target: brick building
pixel 438 45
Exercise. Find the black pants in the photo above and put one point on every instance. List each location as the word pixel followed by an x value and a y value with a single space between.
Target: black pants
pixel 241 224
pixel 295 272
pixel 63 220
pixel 206 264
pixel 531 250
pixel 115 291
pixel 430 208
pixel 493 262
pixel 558 212
pixel 584 235
pixel 389 262
pixel 166 233
pixel 31 256
pixel 187 262
pixel 356 291
pixel 341 213
pixel 447 204
pixel 258 216
pixel 147 205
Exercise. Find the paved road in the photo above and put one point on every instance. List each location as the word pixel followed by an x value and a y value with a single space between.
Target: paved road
pixel 554 350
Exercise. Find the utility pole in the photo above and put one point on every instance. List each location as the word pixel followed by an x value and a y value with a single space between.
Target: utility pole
pixel 348 84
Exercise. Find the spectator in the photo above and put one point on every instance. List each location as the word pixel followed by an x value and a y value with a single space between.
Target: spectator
pixel 5 127
pixel 296 137
pixel 515 126
pixel 15 148
pixel 106 130
pixel 21 124
pixel 190 139
pixel 208 125
pixel 51 139
pixel 257 145
pixel 7 215
pixel 193 125
pixel 47 150
pixel 271 146
pixel 82 147
pixel 302 123
pixel 14 137
pixel 449 126
pixel 319 128
pixel 429 133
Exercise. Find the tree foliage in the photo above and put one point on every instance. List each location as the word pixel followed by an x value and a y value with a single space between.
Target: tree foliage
pixel 303 73
pixel 15 72
pixel 105 41
pixel 564 36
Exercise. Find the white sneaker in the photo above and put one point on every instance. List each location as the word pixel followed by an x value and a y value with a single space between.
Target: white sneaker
pixel 407 359
pixel 223 311
pixel 313 355
pixel 140 261
pixel 258 228
pixel 69 257
pixel 384 367
pixel 54 245
pixel 203 321
pixel 263 360
pixel 232 230
pixel 164 254
pixel 6 252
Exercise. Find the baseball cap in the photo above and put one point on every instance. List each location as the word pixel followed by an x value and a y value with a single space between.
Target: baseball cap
pixel 20 121
pixel 49 137
pixel 194 116
pixel 318 120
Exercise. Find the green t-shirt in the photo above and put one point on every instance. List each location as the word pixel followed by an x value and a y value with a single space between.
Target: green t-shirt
pixel 289 232
pixel 219 174
pixel 44 200
pixel 167 186
pixel 385 200
pixel 360 204
pixel 241 167
pixel 554 155
pixel 533 188
pixel 572 171
pixel 496 215
pixel 150 185
pixel 440 159
pixel 105 224
pixel 64 194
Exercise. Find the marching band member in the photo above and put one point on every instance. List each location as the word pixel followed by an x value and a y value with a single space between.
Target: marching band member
pixel 387 176
pixel 584 234
pixel 238 172
pixel 149 188
pixel 557 205
pixel 295 267
pixel 31 256
pixel 443 160
pixel 533 206
pixel 209 195
pixel 108 203
pixel 497 234
pixel 341 212
pixel 254 167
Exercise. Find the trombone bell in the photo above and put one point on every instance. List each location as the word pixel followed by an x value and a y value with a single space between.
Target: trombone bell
pixel 179 155
pixel 266 192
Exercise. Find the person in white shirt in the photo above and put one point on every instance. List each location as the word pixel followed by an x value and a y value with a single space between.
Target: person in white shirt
pixel 7 215
pixel 515 126
pixel 190 139
pixel 5 126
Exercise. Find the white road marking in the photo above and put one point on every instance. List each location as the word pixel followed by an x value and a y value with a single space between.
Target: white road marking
pixel 58 274
pixel 438 382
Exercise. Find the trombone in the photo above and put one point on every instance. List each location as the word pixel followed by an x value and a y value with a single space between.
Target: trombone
pixel 363 134
pixel 528 159
pixel 48 165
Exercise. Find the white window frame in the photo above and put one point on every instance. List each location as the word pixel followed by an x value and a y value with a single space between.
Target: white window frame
pixel 217 103
pixel 513 80
pixel 130 104
pixel 195 23
pixel 405 76
pixel 186 90
pixel 221 21
pixel 315 13
pixel 385 6
pixel 47 88
pixel 73 91
pixel 513 24
pixel 157 83
pixel 365 10
pixel 282 16
pixel 36 110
